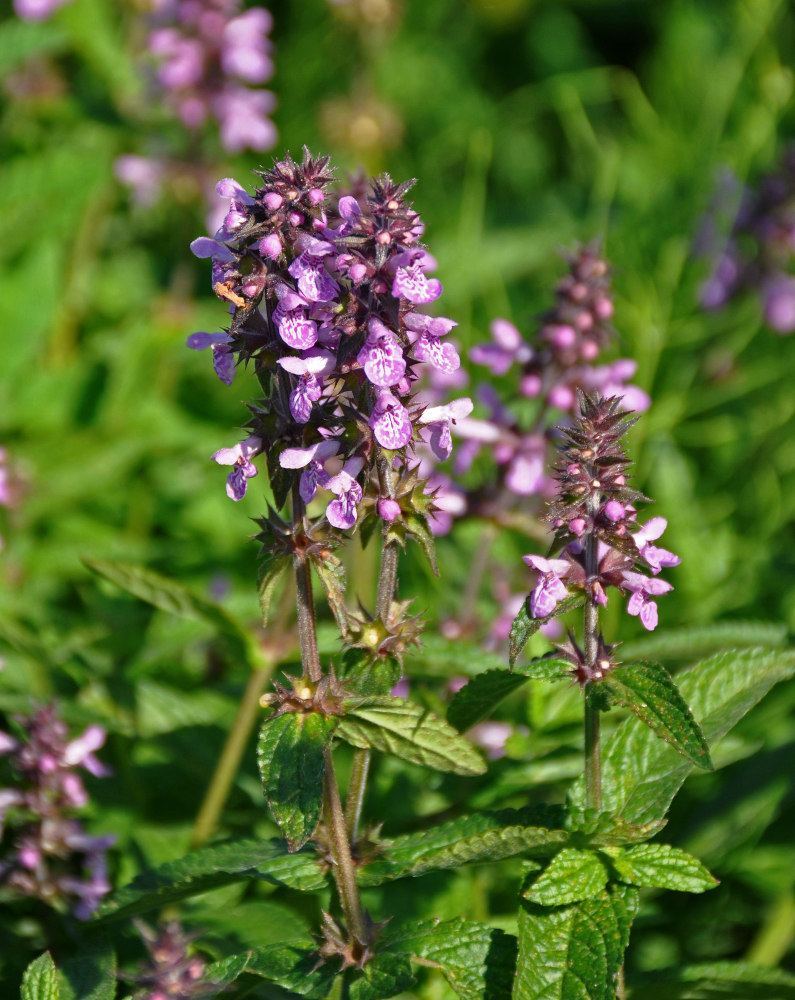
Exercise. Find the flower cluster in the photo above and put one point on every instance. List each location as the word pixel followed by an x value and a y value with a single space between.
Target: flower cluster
pixel 47 853
pixel 549 372
pixel 171 972
pixel 758 255
pixel 595 504
pixel 324 298
pixel 37 10
pixel 212 60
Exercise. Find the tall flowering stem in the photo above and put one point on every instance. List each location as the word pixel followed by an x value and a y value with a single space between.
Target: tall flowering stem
pixel 601 545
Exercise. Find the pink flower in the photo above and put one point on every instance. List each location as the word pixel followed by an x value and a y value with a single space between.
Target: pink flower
pixel 342 511
pixel 410 282
pixel 223 358
pixel 390 421
pixel 243 468
pixel 308 369
pixel 655 557
pixel 508 346
pixel 550 588
pixel 381 356
pixel 437 420
pixel 311 461
pixel 642 589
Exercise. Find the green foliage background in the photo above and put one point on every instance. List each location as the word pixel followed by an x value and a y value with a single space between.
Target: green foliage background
pixel 531 124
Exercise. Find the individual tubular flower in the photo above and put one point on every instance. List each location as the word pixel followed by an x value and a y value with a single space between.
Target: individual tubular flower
pixel 243 468
pixel 223 359
pixel 47 853
pixel 550 589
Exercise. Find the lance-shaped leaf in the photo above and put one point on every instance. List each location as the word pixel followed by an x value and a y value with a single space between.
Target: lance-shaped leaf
pixel 477 699
pixel 90 974
pixel 574 952
pixel 479 837
pixel 294 967
pixel 332 575
pixel 524 625
pixel 649 691
pixel 211 868
pixel 477 961
pixel 641 774
pixel 172 597
pixel 571 876
pixel 715 981
pixel 659 866
pixel 40 981
pixel 290 754
pixel 272 568
pixel 402 728
pixel 701 640
pixel 417 528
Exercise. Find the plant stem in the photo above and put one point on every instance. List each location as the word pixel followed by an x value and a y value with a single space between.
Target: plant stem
pixel 593 748
pixel 307 631
pixel 343 866
pixel 356 786
pixel 230 758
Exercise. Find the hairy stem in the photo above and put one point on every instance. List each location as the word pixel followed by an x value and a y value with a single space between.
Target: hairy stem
pixel 307 631
pixel 342 860
pixel 593 748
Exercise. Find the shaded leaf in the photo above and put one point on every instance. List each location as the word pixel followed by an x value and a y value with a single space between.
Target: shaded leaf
pixel 271 569
pixel 641 774
pixel 294 967
pixel 40 980
pixel 439 657
pixel 477 699
pixel 402 728
pixel 387 974
pixel 571 876
pixel 659 866
pixel 290 754
pixel 574 952
pixel 524 626
pixel 331 572
pixel 477 961
pixel 366 677
pixel 90 974
pixel 417 528
pixel 700 640
pixel 715 981
pixel 210 868
pixel 649 691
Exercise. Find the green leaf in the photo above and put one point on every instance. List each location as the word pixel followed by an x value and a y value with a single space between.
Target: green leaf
pixel 172 597
pixel 659 866
pixel 40 980
pixel 715 981
pixel 385 975
pixel 571 876
pixel 701 640
pixel 90 974
pixel 649 691
pixel 294 967
pixel 271 569
pixel 477 961
pixel 439 657
pixel 574 952
pixel 417 528
pixel 641 774
pixel 366 677
pixel 331 572
pixel 477 699
pixel 524 626
pixel 210 868
pixel 405 729
pixel 290 754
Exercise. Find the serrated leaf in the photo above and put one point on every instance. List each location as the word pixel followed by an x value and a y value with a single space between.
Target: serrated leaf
pixel 290 754
pixel 571 876
pixel 534 831
pixel 715 981
pixel 294 967
pixel 524 626
pixel 386 975
pixel 607 830
pixel 211 868
pixel 477 961
pixel 40 980
pixel 331 572
pixel 172 597
pixel 640 774
pixel 417 528
pixel 650 693
pixel 407 730
pixel 366 677
pixel 700 640
pixel 271 569
pixel 477 699
pixel 574 952
pixel 659 866
pixel 90 974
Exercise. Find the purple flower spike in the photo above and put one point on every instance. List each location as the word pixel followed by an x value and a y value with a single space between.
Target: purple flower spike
pixel 656 558
pixel 643 588
pixel 410 282
pixel 437 420
pixel 390 422
pixel 381 356
pixel 550 588
pixel 341 512
pixel 243 468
